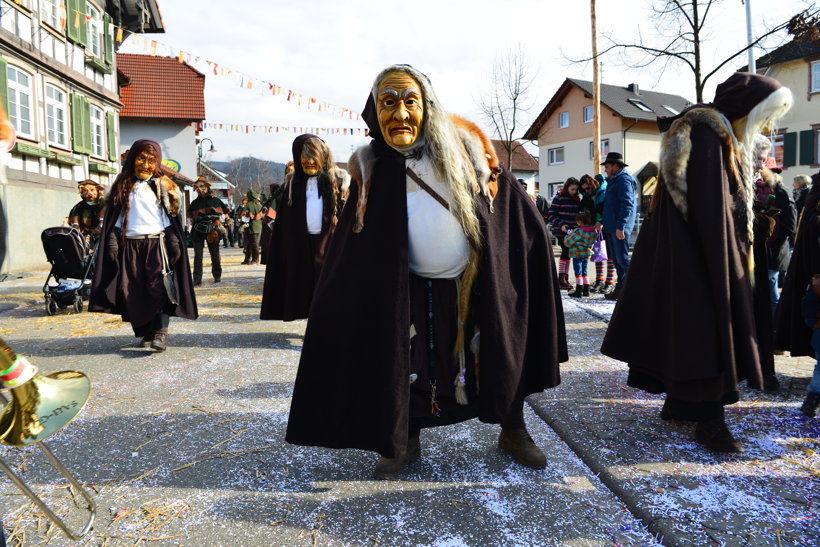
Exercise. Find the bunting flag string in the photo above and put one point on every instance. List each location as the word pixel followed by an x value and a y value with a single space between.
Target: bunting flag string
pixel 245 81
pixel 296 130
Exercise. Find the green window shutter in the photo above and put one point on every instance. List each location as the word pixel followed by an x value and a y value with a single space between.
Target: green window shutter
pixel 4 85
pixel 110 118
pixel 71 17
pixel 807 147
pixel 790 149
pixel 83 30
pixel 87 126
pixel 109 39
pixel 77 142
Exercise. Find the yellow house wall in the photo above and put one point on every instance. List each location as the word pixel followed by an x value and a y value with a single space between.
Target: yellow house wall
pixel 804 113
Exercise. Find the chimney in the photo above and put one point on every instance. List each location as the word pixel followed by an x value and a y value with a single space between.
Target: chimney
pixel 634 89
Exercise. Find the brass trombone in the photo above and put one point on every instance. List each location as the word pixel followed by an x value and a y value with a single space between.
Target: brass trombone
pixel 40 407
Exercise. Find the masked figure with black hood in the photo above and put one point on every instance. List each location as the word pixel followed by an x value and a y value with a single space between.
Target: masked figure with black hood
pixel 142 271
pixel 308 210
pixel 697 342
pixel 435 245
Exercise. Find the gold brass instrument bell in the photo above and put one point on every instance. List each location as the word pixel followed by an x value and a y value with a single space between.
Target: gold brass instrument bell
pixel 40 407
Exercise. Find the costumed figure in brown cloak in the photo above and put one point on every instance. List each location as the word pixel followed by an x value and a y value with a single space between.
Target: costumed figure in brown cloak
pixel 142 270
pixel 696 342
pixel 86 216
pixel 791 331
pixel 436 243
pixel 305 219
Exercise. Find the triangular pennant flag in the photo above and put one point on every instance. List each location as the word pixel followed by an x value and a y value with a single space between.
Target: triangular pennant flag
pixel 119 35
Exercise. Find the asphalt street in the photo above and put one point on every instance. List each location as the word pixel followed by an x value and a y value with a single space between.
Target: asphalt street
pixel 187 447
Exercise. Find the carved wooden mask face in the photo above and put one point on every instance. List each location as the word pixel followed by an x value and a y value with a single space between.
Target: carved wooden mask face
pixel 400 109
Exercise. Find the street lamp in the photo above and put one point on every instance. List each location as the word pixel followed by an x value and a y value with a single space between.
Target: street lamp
pixel 199 153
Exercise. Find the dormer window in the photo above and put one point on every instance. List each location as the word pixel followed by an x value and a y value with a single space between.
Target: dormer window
pixel 640 105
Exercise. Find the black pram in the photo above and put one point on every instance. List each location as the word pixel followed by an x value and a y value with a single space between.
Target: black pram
pixel 72 266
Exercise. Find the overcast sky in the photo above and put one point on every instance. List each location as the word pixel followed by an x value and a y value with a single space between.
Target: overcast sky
pixel 332 50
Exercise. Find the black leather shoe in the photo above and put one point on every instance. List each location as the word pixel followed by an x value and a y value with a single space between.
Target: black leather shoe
pixel 810 405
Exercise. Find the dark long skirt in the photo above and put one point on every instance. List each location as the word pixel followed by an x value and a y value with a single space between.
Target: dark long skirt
pixel 141 290
pixel 434 315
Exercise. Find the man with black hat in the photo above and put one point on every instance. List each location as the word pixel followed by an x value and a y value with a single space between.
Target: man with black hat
pixel 618 218
pixel 205 212
pixel 86 216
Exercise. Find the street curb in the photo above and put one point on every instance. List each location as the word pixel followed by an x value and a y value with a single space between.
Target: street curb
pixel 658 527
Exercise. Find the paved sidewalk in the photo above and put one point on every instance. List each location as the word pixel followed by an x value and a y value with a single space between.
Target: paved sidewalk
pixel 769 495
pixel 186 447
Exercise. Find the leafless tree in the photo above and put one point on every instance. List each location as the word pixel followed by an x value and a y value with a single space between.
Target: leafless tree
pixel 251 173
pixel 505 99
pixel 681 29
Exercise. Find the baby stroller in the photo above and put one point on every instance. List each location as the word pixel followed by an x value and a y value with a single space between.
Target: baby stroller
pixel 72 265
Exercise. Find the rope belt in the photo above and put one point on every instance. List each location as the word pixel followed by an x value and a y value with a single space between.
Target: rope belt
pixel 146 236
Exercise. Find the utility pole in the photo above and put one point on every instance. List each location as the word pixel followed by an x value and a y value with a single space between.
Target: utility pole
pixel 750 36
pixel 596 95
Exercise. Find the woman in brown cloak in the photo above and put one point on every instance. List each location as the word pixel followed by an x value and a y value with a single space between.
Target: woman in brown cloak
pixel 142 271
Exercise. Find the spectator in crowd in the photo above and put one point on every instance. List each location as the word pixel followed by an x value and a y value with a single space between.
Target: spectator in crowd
pixel 618 217
pixel 86 216
pixel 541 203
pixel 801 190
pixel 579 241
pixel 593 190
pixel 253 212
pixel 205 213
pixel 561 214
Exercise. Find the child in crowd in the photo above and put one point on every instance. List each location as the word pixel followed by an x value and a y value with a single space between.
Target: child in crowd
pixel 579 242
pixel 811 314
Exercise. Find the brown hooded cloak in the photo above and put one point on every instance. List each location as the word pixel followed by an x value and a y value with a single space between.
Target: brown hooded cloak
pixel 105 294
pixel 685 321
pixel 294 257
pixel 352 389
pixel 791 332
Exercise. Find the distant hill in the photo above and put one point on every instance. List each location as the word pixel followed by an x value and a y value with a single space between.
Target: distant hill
pixel 249 172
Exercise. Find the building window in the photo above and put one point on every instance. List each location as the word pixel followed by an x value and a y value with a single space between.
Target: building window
pixel 639 105
pixel 563 119
pixel 588 114
pixel 97 132
pixel 604 149
pixel 777 148
pixel 816 147
pixel 55 116
pixel 95 31
pixel 671 109
pixel 555 156
pixel 50 13
pixel 815 77
pixel 20 102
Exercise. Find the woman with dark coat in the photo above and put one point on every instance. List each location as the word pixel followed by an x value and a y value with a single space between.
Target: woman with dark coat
pixel 565 205
pixel 307 214
pixel 142 271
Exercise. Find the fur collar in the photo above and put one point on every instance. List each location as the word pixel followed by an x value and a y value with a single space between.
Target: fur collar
pixel 169 194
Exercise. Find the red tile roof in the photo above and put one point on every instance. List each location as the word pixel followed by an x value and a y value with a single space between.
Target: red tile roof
pixel 160 87
pixel 521 159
